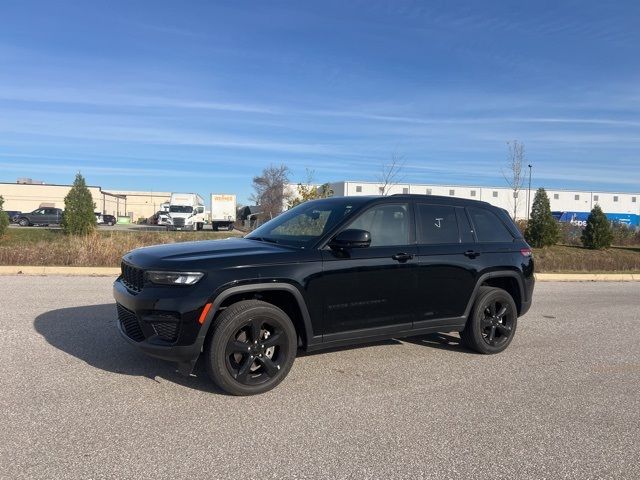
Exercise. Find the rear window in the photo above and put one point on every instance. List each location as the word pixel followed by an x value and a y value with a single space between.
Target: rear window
pixel 438 224
pixel 488 227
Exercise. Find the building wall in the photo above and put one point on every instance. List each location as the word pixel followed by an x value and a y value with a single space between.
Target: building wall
pixel 28 197
pixel 561 200
pixel 142 204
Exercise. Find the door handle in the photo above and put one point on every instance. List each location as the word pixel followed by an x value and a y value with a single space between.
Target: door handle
pixel 402 257
pixel 471 253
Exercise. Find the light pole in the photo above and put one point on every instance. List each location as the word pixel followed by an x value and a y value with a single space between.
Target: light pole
pixel 529 194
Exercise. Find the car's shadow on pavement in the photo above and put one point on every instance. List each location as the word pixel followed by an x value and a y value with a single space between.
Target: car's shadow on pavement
pixel 90 333
pixel 445 341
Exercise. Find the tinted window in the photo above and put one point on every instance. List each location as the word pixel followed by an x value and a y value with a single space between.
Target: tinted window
pixel 489 228
pixel 387 224
pixel 466 232
pixel 438 224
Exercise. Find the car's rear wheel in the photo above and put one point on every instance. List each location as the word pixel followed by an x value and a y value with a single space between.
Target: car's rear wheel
pixel 23 222
pixel 252 348
pixel 492 323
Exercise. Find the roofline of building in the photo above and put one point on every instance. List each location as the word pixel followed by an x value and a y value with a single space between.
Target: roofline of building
pixel 488 187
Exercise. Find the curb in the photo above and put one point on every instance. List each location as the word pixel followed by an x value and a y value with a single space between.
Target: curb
pixel 588 277
pixel 115 271
pixel 67 271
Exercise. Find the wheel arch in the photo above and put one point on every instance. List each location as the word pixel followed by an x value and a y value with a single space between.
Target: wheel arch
pixel 282 295
pixel 508 280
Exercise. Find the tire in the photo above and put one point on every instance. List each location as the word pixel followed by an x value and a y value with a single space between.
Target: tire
pixel 111 224
pixel 259 368
pixel 230 227
pixel 489 329
pixel 23 222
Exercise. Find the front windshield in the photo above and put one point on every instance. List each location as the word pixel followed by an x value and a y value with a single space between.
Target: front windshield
pixel 303 225
pixel 180 209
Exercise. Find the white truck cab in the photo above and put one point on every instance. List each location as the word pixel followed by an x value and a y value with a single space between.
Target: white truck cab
pixel 186 212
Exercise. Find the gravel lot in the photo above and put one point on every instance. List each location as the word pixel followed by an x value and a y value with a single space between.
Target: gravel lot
pixel 562 402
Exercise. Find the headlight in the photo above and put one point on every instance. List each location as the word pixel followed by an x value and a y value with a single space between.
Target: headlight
pixel 174 278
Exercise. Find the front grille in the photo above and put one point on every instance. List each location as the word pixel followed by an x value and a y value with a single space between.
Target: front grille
pixel 166 330
pixel 178 222
pixel 130 324
pixel 132 277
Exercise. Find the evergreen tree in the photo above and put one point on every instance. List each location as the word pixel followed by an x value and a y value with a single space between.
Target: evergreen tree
pixel 542 229
pixel 4 218
pixel 79 217
pixel 597 234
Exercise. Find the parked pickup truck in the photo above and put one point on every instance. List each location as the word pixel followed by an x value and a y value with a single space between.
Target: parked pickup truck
pixel 41 216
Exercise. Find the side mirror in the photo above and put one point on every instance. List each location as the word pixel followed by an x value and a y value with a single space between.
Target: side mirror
pixel 351 238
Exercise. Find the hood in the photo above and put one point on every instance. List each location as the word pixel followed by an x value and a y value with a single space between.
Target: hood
pixel 208 254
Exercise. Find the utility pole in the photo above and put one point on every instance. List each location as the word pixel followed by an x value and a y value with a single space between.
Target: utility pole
pixel 529 194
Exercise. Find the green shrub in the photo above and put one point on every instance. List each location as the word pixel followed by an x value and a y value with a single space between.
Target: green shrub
pixel 598 234
pixel 4 218
pixel 542 229
pixel 79 217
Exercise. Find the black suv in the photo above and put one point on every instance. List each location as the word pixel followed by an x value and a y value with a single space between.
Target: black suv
pixel 329 272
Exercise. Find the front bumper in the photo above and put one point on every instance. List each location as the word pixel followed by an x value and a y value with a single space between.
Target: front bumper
pixel 181 227
pixel 162 321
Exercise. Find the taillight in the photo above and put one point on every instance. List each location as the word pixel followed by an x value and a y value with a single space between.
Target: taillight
pixel 526 252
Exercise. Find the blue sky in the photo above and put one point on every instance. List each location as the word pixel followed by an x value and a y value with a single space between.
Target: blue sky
pixel 201 95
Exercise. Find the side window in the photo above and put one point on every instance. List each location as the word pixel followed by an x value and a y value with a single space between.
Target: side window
pixel 466 232
pixel 438 224
pixel 489 228
pixel 387 224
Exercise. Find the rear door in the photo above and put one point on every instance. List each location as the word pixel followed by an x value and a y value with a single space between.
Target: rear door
pixel 51 215
pixel 447 266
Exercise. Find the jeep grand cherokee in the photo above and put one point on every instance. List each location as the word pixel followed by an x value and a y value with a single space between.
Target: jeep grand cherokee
pixel 328 272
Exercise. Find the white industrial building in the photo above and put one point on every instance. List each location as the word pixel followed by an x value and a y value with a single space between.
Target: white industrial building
pixel 561 200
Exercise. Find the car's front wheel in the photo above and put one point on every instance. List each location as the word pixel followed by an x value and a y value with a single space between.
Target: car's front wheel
pixel 492 323
pixel 252 348
pixel 23 222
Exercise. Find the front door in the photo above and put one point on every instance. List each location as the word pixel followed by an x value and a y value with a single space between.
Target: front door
pixel 372 290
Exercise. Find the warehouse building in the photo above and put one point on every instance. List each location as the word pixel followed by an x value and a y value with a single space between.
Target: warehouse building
pixel 28 196
pixel 561 200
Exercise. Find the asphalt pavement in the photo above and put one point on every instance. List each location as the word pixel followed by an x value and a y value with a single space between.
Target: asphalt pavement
pixel 563 401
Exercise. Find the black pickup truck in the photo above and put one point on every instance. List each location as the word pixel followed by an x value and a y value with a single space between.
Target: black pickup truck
pixel 41 216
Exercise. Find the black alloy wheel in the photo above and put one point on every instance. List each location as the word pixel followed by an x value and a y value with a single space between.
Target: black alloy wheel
pixel 492 323
pixel 497 323
pixel 255 352
pixel 252 347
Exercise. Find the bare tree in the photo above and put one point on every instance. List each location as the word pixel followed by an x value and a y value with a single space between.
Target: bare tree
pixel 390 173
pixel 270 191
pixel 514 174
